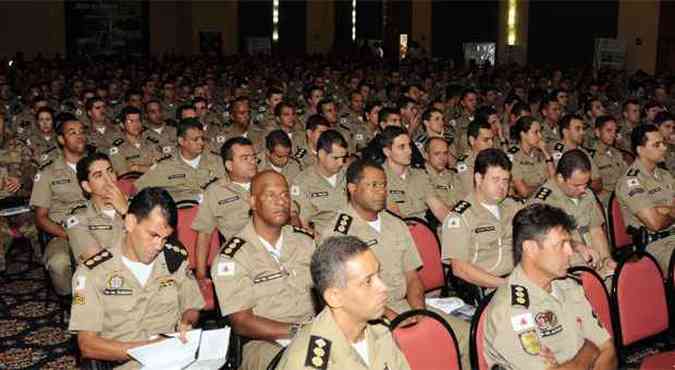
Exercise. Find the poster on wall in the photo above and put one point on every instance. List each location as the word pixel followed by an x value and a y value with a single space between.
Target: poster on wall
pixel 106 28
pixel 610 53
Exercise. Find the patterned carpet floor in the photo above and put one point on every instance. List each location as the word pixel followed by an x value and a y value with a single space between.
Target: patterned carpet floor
pixel 33 334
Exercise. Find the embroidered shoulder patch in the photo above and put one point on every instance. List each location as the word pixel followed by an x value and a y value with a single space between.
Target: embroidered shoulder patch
pixel 232 246
pixel 318 352
pixel 344 222
pixel 98 259
pixel 543 193
pixel 461 206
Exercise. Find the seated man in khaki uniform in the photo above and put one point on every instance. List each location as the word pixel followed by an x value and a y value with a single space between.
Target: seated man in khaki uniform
pixel 55 194
pixel 226 201
pixel 476 235
pixel 569 191
pixel 278 155
pixel 344 336
pixel 100 223
pixel 608 159
pixel 186 173
pixel 320 190
pixel 366 218
pixel 539 319
pixel 306 151
pixel 262 276
pixel 157 132
pixel 410 192
pixel 101 133
pixel 131 153
pixel 646 194
pixel 444 180
pixel 139 288
pixel 480 137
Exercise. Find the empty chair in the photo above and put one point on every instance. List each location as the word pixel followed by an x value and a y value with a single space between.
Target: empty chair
pixel 596 293
pixel 126 183
pixel 618 235
pixel 432 275
pixel 430 344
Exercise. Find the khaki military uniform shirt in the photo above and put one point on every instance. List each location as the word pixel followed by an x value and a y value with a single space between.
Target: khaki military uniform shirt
pixel 465 168
pixel 290 171
pixel 89 228
pixel 586 211
pixel 392 244
pixel 165 138
pixel 522 318
pixel 446 185
pixel 56 188
pixel 43 149
pixel 551 135
pixel 560 148
pixel 109 300
pixel 103 138
pixel 317 198
pixel 611 166
pixel 126 154
pixel 16 156
pixel 473 234
pixel 225 206
pixel 409 193
pixel 638 189
pixel 530 168
pixel 670 159
pixel 322 345
pixel 254 133
pixel 180 179
pixel 363 134
pixel 623 135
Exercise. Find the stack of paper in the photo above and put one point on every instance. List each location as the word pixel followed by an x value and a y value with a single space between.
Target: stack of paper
pixel 204 350
pixel 452 306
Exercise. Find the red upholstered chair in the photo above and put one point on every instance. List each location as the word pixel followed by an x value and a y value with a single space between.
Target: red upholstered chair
pixel 432 275
pixel 619 237
pixel 640 308
pixel 430 344
pixel 596 293
pixel 477 333
pixel 126 183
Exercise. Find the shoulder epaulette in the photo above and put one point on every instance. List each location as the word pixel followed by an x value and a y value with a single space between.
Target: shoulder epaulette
pixel 344 222
pixel 164 158
pixel 77 209
pixel 98 259
pixel 590 151
pixel 118 141
pixel 394 214
pixel 215 152
pixel 232 246
pixel 209 183
pixel 559 147
pixel 633 172
pixel 461 157
pixel 543 193
pixel 152 139
pixel 304 231
pixel 44 165
pixel 174 254
pixel 300 153
pixel 517 200
pixel 461 206
pixel 514 149
pixel 49 150
pixel 318 352
pixel 519 296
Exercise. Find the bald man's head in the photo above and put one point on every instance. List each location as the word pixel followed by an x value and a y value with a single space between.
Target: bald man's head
pixel 270 199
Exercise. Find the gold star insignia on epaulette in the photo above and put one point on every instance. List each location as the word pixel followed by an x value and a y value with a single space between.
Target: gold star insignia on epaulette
pixel 543 193
pixel 461 207
pixel 519 296
pixel 98 258
pixel 233 246
pixel 176 249
pixel 318 352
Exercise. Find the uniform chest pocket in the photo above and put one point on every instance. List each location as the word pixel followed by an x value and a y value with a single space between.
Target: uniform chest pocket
pixel 270 284
pixel 485 234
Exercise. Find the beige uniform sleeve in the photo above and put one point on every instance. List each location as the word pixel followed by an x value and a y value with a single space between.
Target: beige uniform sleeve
pixel 411 256
pixel 301 197
pixel 189 294
pixel 205 221
pixel 86 312
pixel 233 285
pixel 517 170
pixel 153 177
pixel 455 238
pixel 42 192
pixel 80 238
pixel 119 163
pixel 597 216
pixel 632 194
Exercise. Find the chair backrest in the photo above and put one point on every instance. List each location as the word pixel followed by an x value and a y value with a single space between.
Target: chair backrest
pixel 617 227
pixel 429 248
pixel 596 293
pixel 638 300
pixel 430 344
pixel 126 182
pixel 476 335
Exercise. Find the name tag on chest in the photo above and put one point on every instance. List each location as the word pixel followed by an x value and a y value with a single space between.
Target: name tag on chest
pixel 228 200
pixel 100 227
pixel 61 182
pixel 484 229
pixel 319 194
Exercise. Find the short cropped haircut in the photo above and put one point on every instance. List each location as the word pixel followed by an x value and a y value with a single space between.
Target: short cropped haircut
pixel 329 260
pixel 84 166
pixel 183 108
pixel 573 160
pixel 89 104
pixel 148 199
pixel 188 123
pixel 523 124
pixel 638 137
pixel 426 116
pixel 356 168
pixel 280 107
pixel 384 114
pixel 491 157
pixel 602 120
pixel 128 111
pixel 43 110
pixel 534 222
pixel 390 133
pixel 484 113
pixel 566 121
pixel 628 102
pixel 226 150
pixel 61 120
pixel 277 137
pixel 474 128
pixel 328 138
pixel 316 120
